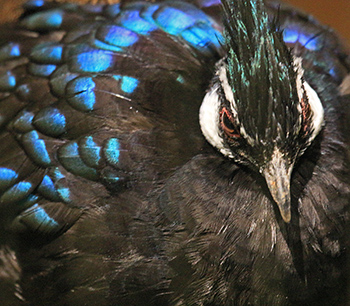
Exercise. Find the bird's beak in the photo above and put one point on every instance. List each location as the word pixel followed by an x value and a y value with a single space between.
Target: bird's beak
pixel 277 174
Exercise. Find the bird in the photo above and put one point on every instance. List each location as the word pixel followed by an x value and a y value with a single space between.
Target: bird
pixel 173 153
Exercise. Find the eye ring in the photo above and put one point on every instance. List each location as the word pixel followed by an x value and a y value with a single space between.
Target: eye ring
pixel 306 113
pixel 227 124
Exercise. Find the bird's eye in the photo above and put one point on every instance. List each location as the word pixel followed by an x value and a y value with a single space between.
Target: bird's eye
pixel 306 113
pixel 227 124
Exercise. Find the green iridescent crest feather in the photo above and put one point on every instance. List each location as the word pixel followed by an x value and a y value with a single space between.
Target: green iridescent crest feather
pixel 260 70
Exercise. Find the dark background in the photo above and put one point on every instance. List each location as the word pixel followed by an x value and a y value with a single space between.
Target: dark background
pixel 335 13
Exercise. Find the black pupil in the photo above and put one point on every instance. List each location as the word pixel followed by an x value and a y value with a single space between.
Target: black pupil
pixel 227 122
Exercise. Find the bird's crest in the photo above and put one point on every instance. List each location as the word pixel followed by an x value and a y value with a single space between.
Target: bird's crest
pixel 260 70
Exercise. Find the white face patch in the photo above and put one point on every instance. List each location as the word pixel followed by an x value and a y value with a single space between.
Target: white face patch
pixel 209 114
pixel 314 101
pixel 209 119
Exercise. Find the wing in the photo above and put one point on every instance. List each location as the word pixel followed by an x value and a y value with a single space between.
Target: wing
pixel 98 105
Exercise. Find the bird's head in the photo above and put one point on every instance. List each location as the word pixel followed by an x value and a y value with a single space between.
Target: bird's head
pixel 259 111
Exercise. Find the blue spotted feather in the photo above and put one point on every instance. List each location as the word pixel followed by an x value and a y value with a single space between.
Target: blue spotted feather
pixel 98 107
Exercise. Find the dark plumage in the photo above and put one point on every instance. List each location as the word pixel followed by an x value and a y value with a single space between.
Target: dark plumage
pixel 110 193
